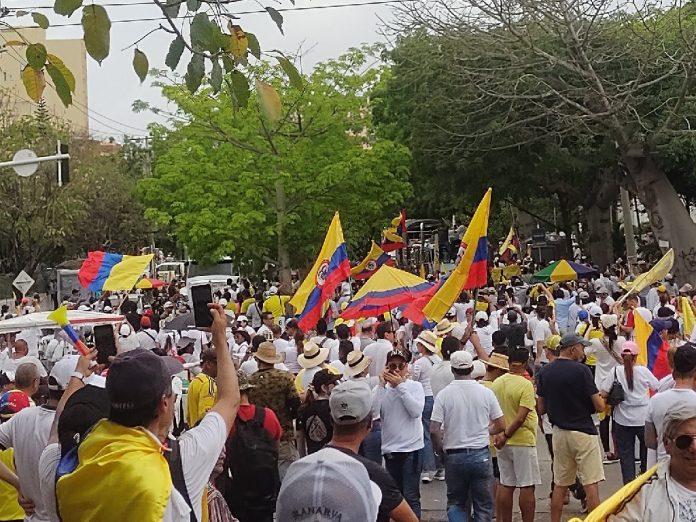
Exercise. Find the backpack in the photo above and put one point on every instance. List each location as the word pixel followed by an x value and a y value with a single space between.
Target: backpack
pixel 252 458
pixel 616 393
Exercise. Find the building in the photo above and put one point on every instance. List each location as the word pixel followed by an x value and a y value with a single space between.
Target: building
pixel 13 96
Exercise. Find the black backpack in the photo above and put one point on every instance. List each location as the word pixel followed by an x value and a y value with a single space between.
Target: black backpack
pixel 252 458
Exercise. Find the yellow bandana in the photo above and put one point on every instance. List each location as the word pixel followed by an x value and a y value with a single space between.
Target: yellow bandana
pixel 121 475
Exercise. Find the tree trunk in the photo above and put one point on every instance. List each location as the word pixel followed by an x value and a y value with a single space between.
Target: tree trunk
pixel 598 209
pixel 669 219
pixel 283 253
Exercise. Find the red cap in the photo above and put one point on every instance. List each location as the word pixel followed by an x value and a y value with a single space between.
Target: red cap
pixel 12 402
pixel 145 321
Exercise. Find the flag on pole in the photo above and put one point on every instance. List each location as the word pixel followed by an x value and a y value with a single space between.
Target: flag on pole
pixel 102 271
pixel 375 258
pixel 330 269
pixel 652 348
pixel 510 247
pixel 394 236
pixel 472 269
pixel 655 274
pixel 688 316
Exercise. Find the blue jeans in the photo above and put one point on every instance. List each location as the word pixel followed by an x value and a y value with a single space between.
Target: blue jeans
pixel 626 448
pixel 469 477
pixel 405 469
pixel 371 447
pixel 428 453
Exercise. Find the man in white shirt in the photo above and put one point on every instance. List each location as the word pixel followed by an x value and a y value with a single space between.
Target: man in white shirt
pixel 401 402
pixel 484 330
pixel 441 374
pixel 662 402
pixel 377 351
pixel 20 356
pixel 469 414
pixel 541 332
pixel 265 329
pixel 146 335
pixel 322 341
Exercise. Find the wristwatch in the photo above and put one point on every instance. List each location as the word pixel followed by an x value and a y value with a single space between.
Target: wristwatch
pixel 78 375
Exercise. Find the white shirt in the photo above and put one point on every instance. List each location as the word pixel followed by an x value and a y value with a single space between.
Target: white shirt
pixel 541 332
pixel 485 335
pixel 240 350
pixel 326 342
pixel 147 338
pixel 422 369
pixel 461 309
pixel 264 330
pixel 48 463
pixel 291 357
pixel 465 408
pixel 27 432
pixel 666 383
pixel 658 407
pixel 605 363
pixel 440 376
pixel 400 410
pixel 11 365
pixel 254 314
pixel 377 352
pixel 633 410
pixel 686 501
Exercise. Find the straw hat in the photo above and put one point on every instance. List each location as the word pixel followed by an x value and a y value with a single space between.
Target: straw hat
pixel 267 353
pixel 356 363
pixel 312 355
pixel 443 327
pixel 428 340
pixel 498 360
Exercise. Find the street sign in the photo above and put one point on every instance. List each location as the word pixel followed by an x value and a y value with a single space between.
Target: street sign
pixel 27 169
pixel 23 282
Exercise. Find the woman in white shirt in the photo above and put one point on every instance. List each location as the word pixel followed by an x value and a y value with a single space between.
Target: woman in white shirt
pixel 427 347
pixel 631 413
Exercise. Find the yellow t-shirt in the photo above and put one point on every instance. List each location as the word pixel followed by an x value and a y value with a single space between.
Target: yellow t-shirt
pixel 246 304
pixel 9 503
pixel 201 397
pixel 595 333
pixel 512 392
pixel 276 305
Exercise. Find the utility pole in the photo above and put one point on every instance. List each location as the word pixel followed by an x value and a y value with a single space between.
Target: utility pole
pixel 631 254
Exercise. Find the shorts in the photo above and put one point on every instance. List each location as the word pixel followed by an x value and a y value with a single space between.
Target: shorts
pixel 519 466
pixel 576 453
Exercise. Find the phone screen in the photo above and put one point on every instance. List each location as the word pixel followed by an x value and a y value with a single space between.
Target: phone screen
pixel 105 342
pixel 202 295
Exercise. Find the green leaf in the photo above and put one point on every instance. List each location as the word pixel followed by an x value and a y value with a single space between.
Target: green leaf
pixel 40 20
pixel 36 56
pixel 60 83
pixel 34 82
pixel 293 75
pixel 269 101
pixel 277 18
pixel 67 74
pixel 97 28
pixel 254 47
pixel 227 63
pixel 67 7
pixel 216 77
pixel 194 73
pixel 193 5
pixel 239 89
pixel 204 34
pixel 140 64
pixel 171 8
pixel 176 49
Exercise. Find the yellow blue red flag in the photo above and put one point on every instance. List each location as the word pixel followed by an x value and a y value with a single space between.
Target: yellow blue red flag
pixel 375 258
pixel 394 236
pixel 472 269
pixel 652 348
pixel 103 271
pixel 330 269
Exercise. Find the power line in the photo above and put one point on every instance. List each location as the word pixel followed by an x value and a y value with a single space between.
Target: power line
pixel 260 11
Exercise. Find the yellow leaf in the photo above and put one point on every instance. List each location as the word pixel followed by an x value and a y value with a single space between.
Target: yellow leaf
pixel 269 100
pixel 15 43
pixel 34 82
pixel 67 74
pixel 238 41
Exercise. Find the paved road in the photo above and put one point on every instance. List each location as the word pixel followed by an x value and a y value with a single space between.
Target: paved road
pixel 434 495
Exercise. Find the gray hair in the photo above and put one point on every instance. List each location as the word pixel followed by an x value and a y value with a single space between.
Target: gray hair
pixel 678 414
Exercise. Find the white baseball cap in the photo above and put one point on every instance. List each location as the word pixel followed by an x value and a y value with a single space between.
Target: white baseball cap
pixel 350 402
pixel 461 360
pixel 273 290
pixel 62 371
pixel 481 316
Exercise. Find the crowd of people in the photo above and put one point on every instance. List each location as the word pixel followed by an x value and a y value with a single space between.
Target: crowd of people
pixel 256 420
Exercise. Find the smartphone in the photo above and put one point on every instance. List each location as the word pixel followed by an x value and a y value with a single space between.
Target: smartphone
pixel 105 342
pixel 202 296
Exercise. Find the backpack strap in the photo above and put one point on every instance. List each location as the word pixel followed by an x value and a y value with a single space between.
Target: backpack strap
pixel 176 469
pixel 260 414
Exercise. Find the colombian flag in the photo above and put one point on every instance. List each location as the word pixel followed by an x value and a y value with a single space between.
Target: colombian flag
pixel 102 271
pixel 652 348
pixel 472 269
pixel 331 267
pixel 394 237
pixel 375 258
pixel 511 246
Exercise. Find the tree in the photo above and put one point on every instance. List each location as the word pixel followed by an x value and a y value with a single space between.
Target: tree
pixel 580 67
pixel 246 177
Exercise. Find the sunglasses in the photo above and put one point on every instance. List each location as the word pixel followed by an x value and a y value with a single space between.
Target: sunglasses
pixel 395 366
pixel 683 441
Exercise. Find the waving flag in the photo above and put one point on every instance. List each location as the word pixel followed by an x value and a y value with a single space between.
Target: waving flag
pixel 102 271
pixel 510 247
pixel 394 237
pixel 330 269
pixel 655 274
pixel 652 348
pixel 688 316
pixel 375 258
pixel 472 269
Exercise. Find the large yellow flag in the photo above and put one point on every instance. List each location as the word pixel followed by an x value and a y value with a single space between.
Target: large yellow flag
pixel 472 270
pixel 688 316
pixel 655 274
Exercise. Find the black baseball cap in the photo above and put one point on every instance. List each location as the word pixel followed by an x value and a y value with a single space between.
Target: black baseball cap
pixel 139 377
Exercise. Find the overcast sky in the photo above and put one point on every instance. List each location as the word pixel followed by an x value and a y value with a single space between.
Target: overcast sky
pixel 113 86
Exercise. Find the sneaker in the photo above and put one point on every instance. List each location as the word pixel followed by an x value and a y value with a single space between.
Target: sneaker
pixel 426 478
pixel 610 458
pixel 440 474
